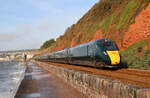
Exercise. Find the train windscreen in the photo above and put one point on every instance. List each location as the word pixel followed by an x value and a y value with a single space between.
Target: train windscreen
pixel 110 46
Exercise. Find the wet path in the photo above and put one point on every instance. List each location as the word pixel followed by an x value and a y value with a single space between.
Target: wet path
pixel 39 83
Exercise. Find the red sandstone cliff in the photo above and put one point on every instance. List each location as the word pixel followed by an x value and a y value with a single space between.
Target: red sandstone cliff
pixel 139 30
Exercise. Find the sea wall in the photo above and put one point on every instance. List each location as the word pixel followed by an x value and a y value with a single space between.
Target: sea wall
pixel 97 86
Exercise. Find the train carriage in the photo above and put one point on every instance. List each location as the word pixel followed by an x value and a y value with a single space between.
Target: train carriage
pixel 98 53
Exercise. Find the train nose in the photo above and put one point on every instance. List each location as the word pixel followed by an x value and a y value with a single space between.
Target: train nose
pixel 114 57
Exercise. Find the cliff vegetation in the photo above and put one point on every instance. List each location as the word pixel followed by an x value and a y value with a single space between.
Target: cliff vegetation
pixel 126 22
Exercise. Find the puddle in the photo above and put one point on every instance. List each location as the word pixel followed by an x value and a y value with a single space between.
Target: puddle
pixel 35 95
pixel 38 77
pixel 30 95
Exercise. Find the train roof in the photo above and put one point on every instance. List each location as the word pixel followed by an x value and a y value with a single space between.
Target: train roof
pixel 92 42
pixel 103 40
pixel 84 44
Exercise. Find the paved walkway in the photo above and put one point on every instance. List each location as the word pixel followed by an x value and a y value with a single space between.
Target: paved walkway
pixel 39 83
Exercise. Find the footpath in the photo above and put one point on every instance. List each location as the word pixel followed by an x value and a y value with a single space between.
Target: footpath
pixel 39 83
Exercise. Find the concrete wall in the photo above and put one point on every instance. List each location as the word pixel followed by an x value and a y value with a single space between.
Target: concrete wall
pixel 98 86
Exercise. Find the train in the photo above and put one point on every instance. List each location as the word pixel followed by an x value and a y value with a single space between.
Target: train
pixel 99 53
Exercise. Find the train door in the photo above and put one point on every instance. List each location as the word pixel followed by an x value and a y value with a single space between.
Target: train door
pixel 91 54
pixel 69 56
pixel 90 50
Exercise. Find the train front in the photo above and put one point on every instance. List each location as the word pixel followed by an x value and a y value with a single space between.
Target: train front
pixel 109 52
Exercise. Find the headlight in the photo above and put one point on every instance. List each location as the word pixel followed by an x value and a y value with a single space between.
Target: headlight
pixel 105 53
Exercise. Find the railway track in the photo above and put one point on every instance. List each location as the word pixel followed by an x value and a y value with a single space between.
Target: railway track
pixel 134 77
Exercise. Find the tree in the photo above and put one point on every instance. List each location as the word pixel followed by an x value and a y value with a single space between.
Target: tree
pixel 47 44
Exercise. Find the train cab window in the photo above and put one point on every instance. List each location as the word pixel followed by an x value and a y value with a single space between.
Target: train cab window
pixel 109 46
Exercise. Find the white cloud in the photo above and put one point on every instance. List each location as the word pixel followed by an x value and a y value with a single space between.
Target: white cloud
pixel 43 26
pixel 28 23
pixel 7 37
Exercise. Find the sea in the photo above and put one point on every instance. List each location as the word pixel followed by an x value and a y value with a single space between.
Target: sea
pixel 11 75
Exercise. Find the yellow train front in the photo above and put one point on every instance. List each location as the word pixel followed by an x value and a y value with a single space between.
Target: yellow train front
pixel 107 52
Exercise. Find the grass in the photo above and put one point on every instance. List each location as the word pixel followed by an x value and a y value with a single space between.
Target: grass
pixel 138 44
pixel 127 12
pixel 94 28
pixel 112 17
pixel 107 22
pixel 86 29
pixel 116 20
pixel 132 20
pixel 132 60
pixel 120 19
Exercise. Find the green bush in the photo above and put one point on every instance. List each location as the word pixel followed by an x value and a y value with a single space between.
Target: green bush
pixel 47 44
pixel 131 59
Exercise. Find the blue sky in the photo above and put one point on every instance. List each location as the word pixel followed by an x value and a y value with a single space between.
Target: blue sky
pixel 26 24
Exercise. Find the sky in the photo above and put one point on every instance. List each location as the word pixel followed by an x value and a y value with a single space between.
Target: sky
pixel 26 24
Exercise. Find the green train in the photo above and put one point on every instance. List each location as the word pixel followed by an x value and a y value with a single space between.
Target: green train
pixel 98 53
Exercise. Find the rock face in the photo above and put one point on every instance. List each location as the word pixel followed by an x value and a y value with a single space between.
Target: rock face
pixel 97 35
pixel 139 30
pixel 124 21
